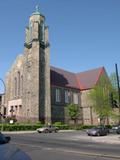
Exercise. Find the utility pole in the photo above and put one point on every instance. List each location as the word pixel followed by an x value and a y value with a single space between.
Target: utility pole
pixel 117 76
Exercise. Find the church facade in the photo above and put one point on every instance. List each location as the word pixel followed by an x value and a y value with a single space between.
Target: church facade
pixel 35 91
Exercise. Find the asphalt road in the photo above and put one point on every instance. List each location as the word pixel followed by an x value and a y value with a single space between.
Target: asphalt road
pixel 64 146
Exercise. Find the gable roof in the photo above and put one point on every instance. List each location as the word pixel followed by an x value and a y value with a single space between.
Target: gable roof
pixel 89 78
pixel 82 81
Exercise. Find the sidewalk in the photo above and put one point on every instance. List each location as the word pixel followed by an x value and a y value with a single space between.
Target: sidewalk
pixel 110 139
pixel 25 132
pixel 18 132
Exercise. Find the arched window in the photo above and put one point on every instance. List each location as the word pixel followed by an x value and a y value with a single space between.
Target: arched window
pixel 21 85
pixel 18 77
pixel 15 86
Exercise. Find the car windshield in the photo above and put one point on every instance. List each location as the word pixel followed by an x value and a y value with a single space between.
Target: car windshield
pixel 98 127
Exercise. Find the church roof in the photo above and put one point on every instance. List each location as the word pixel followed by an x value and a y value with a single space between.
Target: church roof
pixel 89 78
pixel 82 81
pixel 60 77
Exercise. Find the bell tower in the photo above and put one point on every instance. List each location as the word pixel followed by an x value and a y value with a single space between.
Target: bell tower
pixel 36 99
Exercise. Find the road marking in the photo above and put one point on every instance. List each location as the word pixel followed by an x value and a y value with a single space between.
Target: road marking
pixel 68 151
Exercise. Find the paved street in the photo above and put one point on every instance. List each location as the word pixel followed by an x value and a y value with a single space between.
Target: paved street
pixel 67 145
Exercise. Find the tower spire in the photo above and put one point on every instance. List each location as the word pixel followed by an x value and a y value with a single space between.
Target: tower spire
pixel 37 10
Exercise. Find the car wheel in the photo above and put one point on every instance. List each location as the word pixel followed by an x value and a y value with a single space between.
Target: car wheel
pixel 118 132
pixel 39 131
pixel 46 131
pixel 98 134
pixel 55 131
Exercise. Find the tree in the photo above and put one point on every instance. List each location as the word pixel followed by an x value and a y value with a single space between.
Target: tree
pixel 99 96
pixel 113 79
pixel 73 112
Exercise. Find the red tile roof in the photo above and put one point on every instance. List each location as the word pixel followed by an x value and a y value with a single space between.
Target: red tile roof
pixel 82 81
pixel 89 78
pixel 63 78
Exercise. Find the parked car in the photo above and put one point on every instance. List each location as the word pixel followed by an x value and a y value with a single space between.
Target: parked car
pixel 47 129
pixel 118 130
pixel 115 127
pixel 4 139
pixel 98 131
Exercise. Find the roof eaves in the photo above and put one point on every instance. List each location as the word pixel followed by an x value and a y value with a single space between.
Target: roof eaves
pixel 71 87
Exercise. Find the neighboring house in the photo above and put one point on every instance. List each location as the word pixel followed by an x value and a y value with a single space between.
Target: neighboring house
pixel 35 91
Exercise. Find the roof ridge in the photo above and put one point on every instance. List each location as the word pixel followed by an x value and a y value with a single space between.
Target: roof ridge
pixel 90 70
pixel 78 82
pixel 62 70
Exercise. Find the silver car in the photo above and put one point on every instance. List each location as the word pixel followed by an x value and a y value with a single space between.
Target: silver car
pixel 98 131
pixel 47 129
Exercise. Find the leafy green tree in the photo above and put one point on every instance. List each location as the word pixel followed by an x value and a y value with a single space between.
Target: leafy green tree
pixel 73 112
pixel 100 99
pixel 113 80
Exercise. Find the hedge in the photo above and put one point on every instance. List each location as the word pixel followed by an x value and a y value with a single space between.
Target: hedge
pixel 32 127
pixel 20 127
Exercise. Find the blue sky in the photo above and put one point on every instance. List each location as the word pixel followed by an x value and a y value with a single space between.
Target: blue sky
pixel 84 34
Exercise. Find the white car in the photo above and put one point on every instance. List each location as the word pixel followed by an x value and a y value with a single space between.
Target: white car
pixel 47 129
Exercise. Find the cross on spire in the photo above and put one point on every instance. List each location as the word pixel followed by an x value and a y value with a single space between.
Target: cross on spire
pixel 37 8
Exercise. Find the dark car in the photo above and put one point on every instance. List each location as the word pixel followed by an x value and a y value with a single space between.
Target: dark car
pixel 4 139
pixel 98 131
pixel 118 130
pixel 47 129
pixel 115 128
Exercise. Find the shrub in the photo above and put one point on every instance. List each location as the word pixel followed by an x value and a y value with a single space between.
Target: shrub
pixel 58 123
pixel 20 127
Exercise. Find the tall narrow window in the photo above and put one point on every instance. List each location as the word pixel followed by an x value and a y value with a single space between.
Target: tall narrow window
pixel 58 95
pixel 67 96
pixel 75 98
pixel 18 83
pixel 21 85
pixel 15 86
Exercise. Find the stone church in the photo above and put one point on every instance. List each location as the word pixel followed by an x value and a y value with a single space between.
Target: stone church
pixel 36 91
